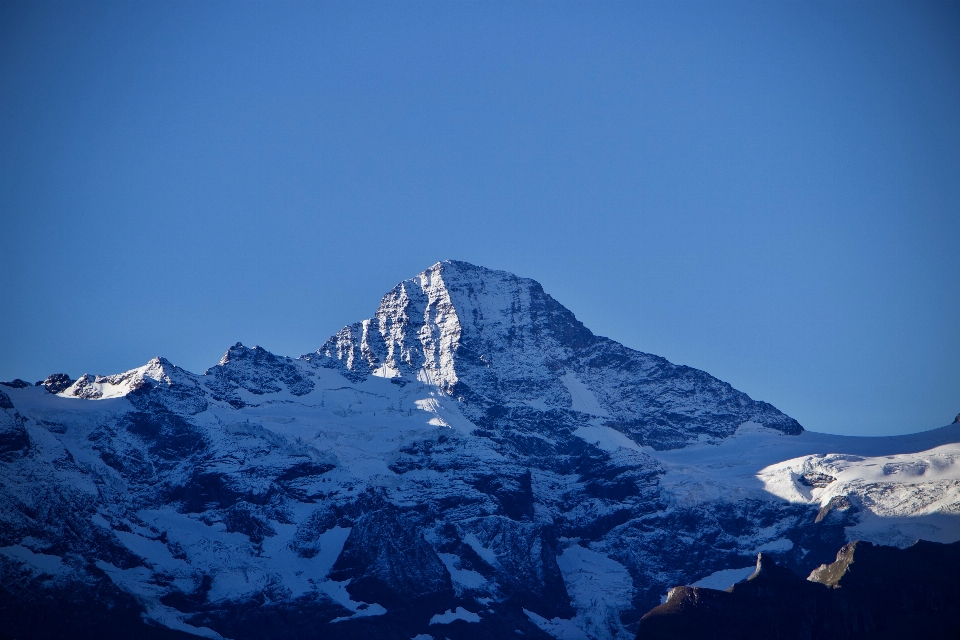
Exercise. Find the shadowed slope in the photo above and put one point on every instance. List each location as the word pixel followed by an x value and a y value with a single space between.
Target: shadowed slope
pixel 870 591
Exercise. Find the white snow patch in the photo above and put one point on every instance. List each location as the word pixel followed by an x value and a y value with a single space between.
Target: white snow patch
pixel 449 616
pixel 583 399
pixel 558 627
pixel 774 546
pixel 725 578
pixel 607 438
pixel 488 555
pixel 137 582
pixel 905 496
pixel 461 577
pixel 387 370
pixel 600 589
pixel 42 562
pixel 361 609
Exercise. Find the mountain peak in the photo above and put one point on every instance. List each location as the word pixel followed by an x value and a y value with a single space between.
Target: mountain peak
pixel 500 344
pixel 240 352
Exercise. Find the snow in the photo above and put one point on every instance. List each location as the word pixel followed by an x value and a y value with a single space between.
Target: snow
pixel 584 400
pixel 137 582
pixel 462 578
pixel 904 496
pixel 449 616
pixel 599 588
pixel 909 485
pixel 725 578
pixel 489 555
pixel 558 627
pixel 119 385
pixel 41 562
pixel 607 438
pixel 774 546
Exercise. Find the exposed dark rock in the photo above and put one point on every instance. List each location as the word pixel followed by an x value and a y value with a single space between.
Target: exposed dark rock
pixel 838 507
pixel 167 435
pixel 387 560
pixel 815 479
pixel 56 382
pixel 5 402
pixel 870 591
pixel 257 371
pixel 89 607
pixel 16 384
pixel 14 439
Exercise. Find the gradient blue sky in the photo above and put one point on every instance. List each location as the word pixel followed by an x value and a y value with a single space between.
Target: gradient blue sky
pixel 768 191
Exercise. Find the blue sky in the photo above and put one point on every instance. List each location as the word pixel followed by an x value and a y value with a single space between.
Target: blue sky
pixel 767 191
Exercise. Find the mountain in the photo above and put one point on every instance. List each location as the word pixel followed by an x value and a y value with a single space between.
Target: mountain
pixel 868 592
pixel 506 349
pixel 470 462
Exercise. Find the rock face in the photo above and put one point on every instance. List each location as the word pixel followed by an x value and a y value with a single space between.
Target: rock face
pixel 470 462
pixel 56 382
pixel 870 591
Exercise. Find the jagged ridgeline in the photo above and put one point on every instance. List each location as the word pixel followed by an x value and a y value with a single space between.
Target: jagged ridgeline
pixel 471 462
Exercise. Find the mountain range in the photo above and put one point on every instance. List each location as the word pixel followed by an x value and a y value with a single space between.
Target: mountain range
pixel 470 462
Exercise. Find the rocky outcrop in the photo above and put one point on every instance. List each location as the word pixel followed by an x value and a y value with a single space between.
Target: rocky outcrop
pixel 56 382
pixel 257 372
pixel 869 591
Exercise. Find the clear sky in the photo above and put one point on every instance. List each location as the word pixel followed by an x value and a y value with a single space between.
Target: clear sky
pixel 767 191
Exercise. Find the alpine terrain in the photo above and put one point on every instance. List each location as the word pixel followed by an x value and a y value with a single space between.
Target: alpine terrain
pixel 471 462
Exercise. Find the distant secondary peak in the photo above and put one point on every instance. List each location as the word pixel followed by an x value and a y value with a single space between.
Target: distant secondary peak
pixel 16 383
pixel 240 352
pixel 256 370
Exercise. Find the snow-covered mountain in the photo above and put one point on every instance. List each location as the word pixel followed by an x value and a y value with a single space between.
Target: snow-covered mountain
pixel 472 461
